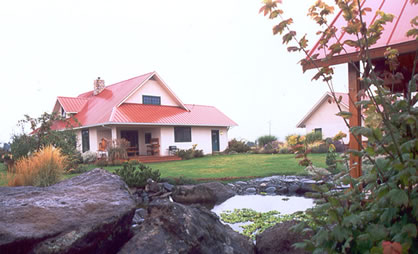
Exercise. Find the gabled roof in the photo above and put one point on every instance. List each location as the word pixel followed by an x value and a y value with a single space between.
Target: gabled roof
pixel 325 97
pixel 71 104
pixel 393 35
pixel 108 107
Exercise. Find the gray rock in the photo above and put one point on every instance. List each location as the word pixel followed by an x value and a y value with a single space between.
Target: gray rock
pixel 168 187
pixel 271 189
pixel 251 190
pixel 279 239
pixel 205 193
pixel 240 183
pixel 139 216
pixel 294 188
pixel 152 186
pixel 176 228
pixel 90 213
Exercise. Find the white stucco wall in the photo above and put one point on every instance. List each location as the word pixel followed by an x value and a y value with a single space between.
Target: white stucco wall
pixel 153 88
pixel 325 118
pixel 202 136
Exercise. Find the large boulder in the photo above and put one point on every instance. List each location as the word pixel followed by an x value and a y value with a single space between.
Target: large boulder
pixel 279 239
pixel 207 194
pixel 90 213
pixel 175 228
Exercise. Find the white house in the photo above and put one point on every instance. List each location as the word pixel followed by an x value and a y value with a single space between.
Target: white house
pixel 147 113
pixel 322 117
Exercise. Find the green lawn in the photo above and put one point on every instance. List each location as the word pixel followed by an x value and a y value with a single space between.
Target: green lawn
pixel 236 166
pixel 223 166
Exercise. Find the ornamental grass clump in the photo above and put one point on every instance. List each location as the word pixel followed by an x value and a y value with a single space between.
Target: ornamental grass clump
pixel 43 168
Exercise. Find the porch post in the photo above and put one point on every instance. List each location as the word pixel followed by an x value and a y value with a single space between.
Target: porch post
pixel 355 119
pixel 114 133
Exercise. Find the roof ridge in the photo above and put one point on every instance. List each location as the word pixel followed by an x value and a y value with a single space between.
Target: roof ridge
pixel 68 97
pixel 130 79
pixel 200 105
pixel 89 91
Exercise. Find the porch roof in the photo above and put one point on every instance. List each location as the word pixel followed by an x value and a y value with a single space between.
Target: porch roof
pixel 393 35
pixel 167 115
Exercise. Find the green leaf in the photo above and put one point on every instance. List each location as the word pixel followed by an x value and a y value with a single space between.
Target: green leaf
pixel 344 114
pixel 359 130
pixel 410 230
pixel 377 232
pixel 288 37
pixel 398 197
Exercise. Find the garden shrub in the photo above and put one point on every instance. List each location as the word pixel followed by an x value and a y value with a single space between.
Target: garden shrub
pixel 331 159
pixel 117 163
pixel 43 168
pixel 266 139
pixel 318 147
pixel 89 157
pixel 77 170
pixel 190 153
pixel 313 136
pixel 137 178
pixel 134 162
pixel 238 146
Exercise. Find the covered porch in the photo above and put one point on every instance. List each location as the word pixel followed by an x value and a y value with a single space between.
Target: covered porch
pixel 143 141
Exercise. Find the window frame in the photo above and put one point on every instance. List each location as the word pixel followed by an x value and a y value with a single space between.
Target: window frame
pixel 147 137
pixel 318 130
pixel 85 140
pixel 182 134
pixel 151 100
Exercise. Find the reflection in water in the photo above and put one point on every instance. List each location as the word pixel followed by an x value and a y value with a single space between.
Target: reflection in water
pixel 283 204
pixel 259 203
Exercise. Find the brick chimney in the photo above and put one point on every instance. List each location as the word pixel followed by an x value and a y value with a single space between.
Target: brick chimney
pixel 99 86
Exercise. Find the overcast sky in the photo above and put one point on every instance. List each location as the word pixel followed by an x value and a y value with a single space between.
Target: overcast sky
pixel 218 52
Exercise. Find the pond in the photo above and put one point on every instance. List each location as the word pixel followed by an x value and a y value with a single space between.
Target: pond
pixel 260 203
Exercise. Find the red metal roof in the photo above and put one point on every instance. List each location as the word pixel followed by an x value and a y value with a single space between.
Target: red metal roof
pixel 71 104
pixel 393 35
pixel 168 115
pixel 106 108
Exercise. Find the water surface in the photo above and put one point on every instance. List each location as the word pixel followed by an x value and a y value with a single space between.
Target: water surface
pixel 260 203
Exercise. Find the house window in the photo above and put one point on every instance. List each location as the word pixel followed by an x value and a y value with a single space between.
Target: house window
pixel 85 140
pixel 153 100
pixel 63 112
pixel 147 138
pixel 318 130
pixel 182 134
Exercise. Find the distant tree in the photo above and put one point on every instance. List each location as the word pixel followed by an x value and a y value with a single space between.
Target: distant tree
pixel 266 139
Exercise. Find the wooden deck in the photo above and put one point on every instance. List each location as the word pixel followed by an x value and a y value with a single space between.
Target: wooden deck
pixel 154 158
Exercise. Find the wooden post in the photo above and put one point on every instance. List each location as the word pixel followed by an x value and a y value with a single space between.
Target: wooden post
pixel 355 119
